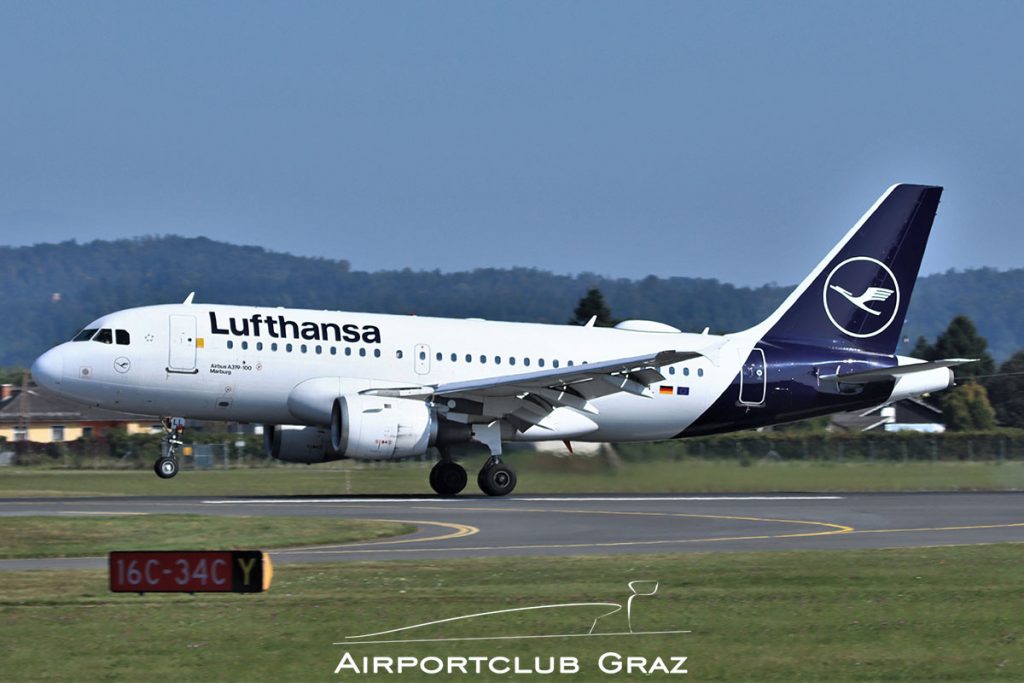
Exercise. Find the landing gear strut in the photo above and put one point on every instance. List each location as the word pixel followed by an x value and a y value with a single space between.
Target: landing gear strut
pixel 496 478
pixel 447 478
pixel 166 465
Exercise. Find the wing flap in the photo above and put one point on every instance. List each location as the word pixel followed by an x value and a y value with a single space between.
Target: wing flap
pixel 561 378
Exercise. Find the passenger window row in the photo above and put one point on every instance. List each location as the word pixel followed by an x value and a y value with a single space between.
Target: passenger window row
pixel 317 349
pixel 497 360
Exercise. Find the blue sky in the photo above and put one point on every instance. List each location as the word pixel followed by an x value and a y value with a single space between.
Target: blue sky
pixel 729 140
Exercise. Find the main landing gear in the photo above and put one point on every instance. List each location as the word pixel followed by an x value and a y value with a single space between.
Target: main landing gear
pixel 496 478
pixel 166 465
pixel 448 478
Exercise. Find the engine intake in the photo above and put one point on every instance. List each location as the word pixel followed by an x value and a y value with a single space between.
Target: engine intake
pixel 378 427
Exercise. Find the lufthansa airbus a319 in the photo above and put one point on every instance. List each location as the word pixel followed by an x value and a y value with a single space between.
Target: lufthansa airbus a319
pixel 331 385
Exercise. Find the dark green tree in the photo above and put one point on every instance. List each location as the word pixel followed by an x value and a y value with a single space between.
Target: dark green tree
pixel 922 349
pixel 1006 391
pixel 961 340
pixel 967 407
pixel 964 407
pixel 590 305
pixel 12 375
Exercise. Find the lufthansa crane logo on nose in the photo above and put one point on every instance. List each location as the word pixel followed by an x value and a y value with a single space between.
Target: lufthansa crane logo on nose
pixel 861 297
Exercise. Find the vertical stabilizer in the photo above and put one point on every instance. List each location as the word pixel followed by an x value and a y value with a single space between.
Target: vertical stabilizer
pixel 857 297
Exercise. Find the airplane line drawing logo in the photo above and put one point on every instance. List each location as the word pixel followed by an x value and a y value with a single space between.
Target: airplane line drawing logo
pixel 852 271
pixel 636 588
pixel 880 294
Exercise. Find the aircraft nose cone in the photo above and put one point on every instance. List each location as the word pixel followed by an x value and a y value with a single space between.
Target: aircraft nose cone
pixel 48 370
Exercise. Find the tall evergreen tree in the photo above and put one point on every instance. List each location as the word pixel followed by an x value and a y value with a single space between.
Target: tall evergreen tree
pixel 961 340
pixel 590 305
pixel 923 350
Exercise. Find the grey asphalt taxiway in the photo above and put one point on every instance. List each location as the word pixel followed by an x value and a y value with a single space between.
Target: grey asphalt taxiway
pixel 591 524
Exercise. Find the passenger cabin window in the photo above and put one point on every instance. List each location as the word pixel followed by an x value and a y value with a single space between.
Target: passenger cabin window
pixel 85 335
pixel 104 336
pixel 122 337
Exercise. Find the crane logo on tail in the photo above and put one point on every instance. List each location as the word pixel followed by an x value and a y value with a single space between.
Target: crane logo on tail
pixel 873 310
pixel 870 294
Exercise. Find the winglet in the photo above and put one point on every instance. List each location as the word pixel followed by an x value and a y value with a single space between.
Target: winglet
pixel 188 299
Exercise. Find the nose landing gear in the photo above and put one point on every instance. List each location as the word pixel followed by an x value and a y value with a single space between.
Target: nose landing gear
pixel 166 465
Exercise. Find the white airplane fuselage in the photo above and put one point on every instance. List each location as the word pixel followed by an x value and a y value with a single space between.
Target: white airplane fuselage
pixel 200 377
pixel 332 385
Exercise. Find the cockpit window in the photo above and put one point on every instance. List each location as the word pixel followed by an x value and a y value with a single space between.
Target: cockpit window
pixel 122 337
pixel 85 335
pixel 104 336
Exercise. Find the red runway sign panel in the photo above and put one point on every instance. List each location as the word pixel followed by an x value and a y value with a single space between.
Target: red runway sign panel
pixel 200 571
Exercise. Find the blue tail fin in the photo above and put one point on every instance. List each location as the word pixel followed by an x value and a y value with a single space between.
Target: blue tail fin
pixel 858 295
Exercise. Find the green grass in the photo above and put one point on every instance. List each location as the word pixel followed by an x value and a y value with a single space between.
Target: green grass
pixel 914 614
pixel 536 475
pixel 47 536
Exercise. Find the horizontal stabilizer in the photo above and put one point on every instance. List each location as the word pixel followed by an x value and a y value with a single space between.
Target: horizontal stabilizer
pixel 884 374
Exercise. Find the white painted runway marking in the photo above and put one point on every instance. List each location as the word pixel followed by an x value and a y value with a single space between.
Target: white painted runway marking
pixel 457 501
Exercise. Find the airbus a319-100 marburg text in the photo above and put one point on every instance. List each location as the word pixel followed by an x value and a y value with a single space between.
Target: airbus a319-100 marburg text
pixel 331 385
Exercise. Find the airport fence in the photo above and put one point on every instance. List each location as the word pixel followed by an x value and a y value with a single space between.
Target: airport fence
pixel 749 447
pixel 122 451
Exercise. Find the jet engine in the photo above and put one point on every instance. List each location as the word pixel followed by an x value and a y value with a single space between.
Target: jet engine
pixel 294 443
pixel 377 427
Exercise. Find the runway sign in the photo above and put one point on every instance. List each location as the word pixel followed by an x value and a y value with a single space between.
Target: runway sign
pixel 189 571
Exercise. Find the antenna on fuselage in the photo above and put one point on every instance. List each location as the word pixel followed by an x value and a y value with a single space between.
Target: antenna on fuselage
pixel 188 299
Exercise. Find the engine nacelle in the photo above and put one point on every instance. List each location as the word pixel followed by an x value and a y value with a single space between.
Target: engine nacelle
pixel 292 443
pixel 378 427
pixel 923 382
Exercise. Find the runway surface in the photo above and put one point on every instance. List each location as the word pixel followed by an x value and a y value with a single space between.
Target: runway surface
pixel 585 524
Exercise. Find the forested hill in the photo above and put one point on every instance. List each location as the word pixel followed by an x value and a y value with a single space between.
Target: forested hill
pixel 51 290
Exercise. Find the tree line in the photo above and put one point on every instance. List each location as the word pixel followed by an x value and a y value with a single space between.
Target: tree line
pixel 51 290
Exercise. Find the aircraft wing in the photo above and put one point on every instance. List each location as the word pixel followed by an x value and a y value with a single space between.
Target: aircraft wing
pixel 526 398
pixel 868 376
